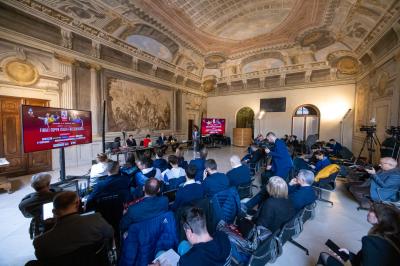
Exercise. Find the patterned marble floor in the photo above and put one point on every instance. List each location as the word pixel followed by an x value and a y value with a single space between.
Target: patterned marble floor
pixel 342 223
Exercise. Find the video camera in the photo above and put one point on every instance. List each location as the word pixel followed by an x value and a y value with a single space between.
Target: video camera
pixel 394 131
pixel 368 129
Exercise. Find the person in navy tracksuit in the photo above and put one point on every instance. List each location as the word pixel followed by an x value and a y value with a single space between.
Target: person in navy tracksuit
pixel 281 161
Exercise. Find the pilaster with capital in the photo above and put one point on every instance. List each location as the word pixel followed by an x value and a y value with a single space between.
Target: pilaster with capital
pixel 95 98
pixel 65 66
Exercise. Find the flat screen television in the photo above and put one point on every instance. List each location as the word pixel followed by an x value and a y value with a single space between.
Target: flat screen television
pixel 45 128
pixel 213 126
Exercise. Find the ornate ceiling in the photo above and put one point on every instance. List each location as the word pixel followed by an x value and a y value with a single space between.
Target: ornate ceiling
pixel 228 34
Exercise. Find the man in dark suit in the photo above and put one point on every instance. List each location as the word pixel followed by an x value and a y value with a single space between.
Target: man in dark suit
pixel 114 183
pixel 147 207
pixel 131 142
pixel 199 163
pixel 71 230
pixel 213 182
pixel 240 174
pixel 281 161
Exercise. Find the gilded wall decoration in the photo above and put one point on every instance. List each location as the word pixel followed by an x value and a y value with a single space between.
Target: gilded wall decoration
pixel 381 83
pixel 362 99
pixel 21 72
pixel 318 39
pixel 347 65
pixel 133 106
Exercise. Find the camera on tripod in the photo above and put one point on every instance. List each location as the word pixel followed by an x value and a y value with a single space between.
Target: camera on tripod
pixel 368 129
pixel 394 131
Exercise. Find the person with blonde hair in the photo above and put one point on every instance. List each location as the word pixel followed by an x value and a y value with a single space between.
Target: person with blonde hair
pixel 277 209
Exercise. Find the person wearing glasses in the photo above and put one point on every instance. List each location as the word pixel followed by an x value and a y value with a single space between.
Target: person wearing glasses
pixel 205 249
pixel 383 185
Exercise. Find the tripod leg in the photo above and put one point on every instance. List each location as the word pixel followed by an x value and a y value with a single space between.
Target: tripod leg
pixel 362 148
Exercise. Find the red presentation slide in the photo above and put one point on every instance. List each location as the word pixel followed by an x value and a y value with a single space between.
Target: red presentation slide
pixel 46 128
pixel 213 126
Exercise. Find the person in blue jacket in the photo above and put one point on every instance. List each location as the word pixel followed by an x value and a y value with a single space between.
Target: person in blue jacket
pixel 322 162
pixel 147 207
pixel 213 182
pixel 199 163
pixel 334 147
pixel 114 183
pixel 190 191
pixel 281 161
pixel 240 174
pixel 301 192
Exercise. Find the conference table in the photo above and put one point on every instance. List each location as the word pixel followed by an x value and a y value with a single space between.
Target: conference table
pixel 140 150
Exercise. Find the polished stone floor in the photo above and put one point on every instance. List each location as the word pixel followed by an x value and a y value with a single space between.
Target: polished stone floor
pixel 341 223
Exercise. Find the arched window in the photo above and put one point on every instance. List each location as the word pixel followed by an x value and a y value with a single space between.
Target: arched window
pixel 305 121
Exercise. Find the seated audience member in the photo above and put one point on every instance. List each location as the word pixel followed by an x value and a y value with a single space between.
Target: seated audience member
pixel 31 205
pixel 99 169
pixel 174 176
pixel 116 144
pixel 190 191
pixel 386 182
pixel 285 138
pixel 146 141
pixel 146 171
pixel 161 139
pixel 173 141
pixel 334 147
pixel 382 244
pixel 131 142
pixel 71 230
pixel 240 174
pixel 254 156
pixel 199 163
pixel 277 209
pixel 181 159
pixel 129 168
pixel 160 162
pixel 258 140
pixel 205 250
pixel 147 207
pixel 323 161
pixel 213 182
pixel 301 192
pixel 293 141
pixel 114 183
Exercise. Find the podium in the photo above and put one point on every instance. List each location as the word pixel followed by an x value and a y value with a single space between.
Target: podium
pixel 242 137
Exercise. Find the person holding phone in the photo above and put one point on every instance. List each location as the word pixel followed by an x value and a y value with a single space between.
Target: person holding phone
pixel 380 247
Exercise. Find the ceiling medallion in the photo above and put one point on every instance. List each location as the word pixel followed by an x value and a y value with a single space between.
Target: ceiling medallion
pixel 347 65
pixel 214 60
pixel 21 72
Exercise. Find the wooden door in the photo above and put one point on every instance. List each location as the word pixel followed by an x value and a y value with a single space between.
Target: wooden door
pixel 11 141
pixel 39 160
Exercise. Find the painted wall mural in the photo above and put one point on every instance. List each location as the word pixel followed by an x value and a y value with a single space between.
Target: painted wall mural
pixel 133 106
pixel 151 46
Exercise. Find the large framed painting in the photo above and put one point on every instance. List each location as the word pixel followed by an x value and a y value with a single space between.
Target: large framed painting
pixel 132 106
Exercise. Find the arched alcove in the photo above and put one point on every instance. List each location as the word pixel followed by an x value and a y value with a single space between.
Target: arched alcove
pixel 245 118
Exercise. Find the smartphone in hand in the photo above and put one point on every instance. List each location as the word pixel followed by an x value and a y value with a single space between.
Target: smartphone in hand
pixel 335 248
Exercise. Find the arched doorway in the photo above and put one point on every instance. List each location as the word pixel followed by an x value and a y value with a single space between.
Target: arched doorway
pixel 305 121
pixel 245 118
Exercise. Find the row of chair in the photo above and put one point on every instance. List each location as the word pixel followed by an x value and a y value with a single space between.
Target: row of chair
pixel 270 249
